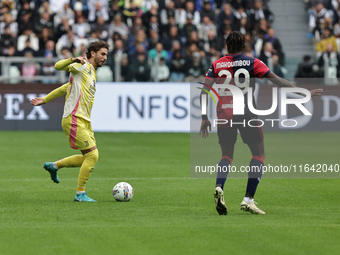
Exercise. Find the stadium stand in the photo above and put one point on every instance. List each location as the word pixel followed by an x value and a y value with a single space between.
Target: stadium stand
pixel 324 20
pixel 183 36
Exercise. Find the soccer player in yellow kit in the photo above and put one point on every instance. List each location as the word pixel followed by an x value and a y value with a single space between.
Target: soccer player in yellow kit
pixel 76 121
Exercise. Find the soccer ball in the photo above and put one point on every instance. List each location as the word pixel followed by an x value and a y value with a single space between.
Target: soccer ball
pixel 122 192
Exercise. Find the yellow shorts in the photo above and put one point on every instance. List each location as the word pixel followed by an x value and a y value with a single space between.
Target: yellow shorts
pixel 79 132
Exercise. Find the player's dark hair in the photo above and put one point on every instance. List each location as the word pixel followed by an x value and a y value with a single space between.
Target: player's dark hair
pixel 235 42
pixel 96 46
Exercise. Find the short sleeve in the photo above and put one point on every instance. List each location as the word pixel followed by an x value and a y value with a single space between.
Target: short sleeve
pixel 210 75
pixel 260 69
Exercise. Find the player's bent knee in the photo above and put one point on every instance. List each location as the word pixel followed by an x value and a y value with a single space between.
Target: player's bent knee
pixel 92 155
pixel 97 155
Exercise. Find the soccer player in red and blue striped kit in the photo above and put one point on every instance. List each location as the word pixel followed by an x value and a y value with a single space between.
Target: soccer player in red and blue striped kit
pixel 230 67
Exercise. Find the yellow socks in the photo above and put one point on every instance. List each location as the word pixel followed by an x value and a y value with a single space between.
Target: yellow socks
pixel 90 160
pixel 85 162
pixel 72 161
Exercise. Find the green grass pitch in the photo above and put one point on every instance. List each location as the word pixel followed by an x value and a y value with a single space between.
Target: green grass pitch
pixel 170 213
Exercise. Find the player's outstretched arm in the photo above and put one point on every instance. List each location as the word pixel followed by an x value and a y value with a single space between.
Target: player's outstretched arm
pixel 205 121
pixel 58 92
pixel 284 83
pixel 64 64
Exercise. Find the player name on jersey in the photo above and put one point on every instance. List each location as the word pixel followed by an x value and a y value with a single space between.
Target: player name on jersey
pixel 233 64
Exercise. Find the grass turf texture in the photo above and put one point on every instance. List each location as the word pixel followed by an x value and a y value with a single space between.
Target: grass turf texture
pixel 169 213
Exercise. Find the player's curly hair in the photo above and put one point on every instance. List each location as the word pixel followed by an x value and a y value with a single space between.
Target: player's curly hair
pixel 96 46
pixel 235 42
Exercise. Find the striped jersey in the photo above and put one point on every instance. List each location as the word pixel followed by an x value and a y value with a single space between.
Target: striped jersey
pixel 234 68
pixel 80 93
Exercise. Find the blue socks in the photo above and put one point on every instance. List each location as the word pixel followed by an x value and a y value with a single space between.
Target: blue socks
pixel 254 175
pixel 222 171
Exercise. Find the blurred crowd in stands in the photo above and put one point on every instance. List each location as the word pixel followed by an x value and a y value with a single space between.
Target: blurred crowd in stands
pixel 324 25
pixel 150 40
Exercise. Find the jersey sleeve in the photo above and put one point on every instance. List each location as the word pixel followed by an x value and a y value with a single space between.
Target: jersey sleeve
pixel 75 68
pixel 58 92
pixel 210 75
pixel 68 66
pixel 260 69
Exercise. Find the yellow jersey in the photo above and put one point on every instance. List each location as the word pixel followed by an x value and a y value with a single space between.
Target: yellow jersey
pixel 79 90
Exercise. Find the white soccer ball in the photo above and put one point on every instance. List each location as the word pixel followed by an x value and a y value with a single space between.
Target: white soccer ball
pixel 122 192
